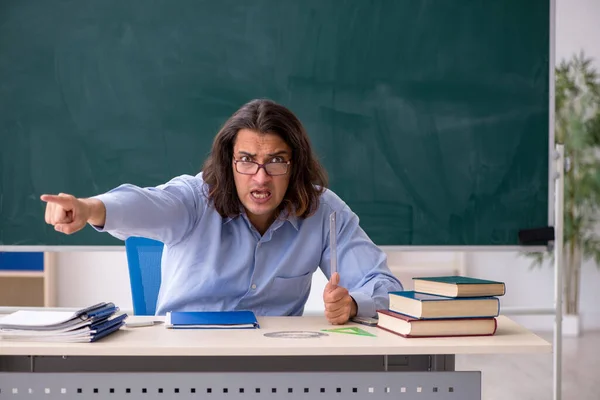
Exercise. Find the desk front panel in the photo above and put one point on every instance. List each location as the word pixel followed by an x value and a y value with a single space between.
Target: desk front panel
pixel 244 386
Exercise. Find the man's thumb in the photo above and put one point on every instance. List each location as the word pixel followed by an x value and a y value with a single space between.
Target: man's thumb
pixel 335 279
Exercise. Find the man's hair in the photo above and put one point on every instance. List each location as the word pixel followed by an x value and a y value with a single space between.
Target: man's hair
pixel 308 178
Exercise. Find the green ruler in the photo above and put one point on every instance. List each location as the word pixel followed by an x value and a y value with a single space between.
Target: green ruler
pixel 351 330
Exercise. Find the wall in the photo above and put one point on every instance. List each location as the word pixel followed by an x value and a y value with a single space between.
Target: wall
pixel 577 28
pixel 84 278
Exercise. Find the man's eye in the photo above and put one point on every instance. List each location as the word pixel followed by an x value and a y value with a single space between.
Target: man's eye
pixel 245 159
pixel 277 160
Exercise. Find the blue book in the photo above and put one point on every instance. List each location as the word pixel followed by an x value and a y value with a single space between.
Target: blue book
pixel 429 306
pixel 458 286
pixel 211 320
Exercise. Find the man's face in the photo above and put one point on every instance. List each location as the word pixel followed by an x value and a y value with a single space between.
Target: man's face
pixel 260 193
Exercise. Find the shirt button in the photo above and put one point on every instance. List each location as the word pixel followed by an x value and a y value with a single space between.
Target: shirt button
pixel 258 244
pixel 253 286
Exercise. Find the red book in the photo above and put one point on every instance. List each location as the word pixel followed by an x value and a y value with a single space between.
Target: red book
pixel 406 326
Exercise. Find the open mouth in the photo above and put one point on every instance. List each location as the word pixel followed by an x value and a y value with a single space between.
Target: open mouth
pixel 260 196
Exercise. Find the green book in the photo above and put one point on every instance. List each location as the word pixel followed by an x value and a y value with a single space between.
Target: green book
pixel 458 286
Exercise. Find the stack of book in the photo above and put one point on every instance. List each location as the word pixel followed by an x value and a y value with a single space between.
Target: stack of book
pixel 444 306
pixel 86 325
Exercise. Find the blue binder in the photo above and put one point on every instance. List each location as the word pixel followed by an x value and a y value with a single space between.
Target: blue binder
pixel 211 320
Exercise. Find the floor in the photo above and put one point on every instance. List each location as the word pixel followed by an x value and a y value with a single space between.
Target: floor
pixel 530 377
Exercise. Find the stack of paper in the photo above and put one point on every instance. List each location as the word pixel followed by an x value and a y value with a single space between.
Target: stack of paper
pixel 86 325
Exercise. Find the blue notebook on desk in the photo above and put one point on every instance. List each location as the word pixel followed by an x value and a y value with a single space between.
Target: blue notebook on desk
pixel 211 320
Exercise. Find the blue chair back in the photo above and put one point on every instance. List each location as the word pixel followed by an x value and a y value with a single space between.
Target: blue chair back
pixel 144 258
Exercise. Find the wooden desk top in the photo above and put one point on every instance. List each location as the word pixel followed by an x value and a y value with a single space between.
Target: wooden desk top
pixel 158 341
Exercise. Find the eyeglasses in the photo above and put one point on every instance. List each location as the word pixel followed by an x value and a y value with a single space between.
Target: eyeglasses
pixel 271 168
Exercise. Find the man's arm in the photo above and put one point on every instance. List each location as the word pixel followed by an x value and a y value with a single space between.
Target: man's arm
pixel 166 213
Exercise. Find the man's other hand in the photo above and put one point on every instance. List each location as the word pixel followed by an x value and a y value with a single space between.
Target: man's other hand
pixel 339 305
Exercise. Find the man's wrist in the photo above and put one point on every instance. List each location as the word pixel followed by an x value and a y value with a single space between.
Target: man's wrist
pixel 97 212
pixel 365 305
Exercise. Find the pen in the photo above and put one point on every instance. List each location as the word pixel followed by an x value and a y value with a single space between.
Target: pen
pixel 138 324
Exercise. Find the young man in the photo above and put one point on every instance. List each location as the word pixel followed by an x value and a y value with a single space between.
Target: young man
pixel 248 231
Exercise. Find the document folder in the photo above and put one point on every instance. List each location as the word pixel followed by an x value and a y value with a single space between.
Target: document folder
pixel 85 325
pixel 211 320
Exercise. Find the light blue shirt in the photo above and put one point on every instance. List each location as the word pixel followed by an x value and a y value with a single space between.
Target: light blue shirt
pixel 215 263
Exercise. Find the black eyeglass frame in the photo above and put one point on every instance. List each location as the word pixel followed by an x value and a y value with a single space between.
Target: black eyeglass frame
pixel 263 166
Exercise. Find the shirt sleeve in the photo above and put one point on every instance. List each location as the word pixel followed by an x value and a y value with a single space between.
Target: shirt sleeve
pixel 166 212
pixel 362 265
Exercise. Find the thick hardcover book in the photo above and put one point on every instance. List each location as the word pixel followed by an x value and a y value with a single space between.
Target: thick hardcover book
pixel 458 286
pixel 409 327
pixel 424 306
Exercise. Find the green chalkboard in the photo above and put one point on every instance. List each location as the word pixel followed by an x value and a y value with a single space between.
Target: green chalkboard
pixel 431 117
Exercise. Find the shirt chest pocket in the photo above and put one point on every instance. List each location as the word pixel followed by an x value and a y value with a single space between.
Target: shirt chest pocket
pixel 293 288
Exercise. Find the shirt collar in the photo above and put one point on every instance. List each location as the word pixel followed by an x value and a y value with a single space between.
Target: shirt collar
pixel 292 219
pixel 228 219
